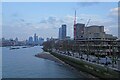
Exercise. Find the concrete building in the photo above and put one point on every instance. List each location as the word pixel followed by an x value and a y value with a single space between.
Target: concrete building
pixel 62 32
pixel 97 32
pixel 79 31
pixel 110 37
pixel 94 32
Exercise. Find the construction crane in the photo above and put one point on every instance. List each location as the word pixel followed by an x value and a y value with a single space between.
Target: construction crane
pixel 88 22
pixel 75 26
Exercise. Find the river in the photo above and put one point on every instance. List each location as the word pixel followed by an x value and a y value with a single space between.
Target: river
pixel 21 63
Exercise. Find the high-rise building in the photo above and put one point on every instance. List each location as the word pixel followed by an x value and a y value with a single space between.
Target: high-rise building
pixel 30 40
pixel 79 33
pixel 119 29
pixel 62 32
pixel 41 40
pixel 16 39
pixel 35 38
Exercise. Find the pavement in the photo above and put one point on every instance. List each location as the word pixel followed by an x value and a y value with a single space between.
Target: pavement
pixel 92 59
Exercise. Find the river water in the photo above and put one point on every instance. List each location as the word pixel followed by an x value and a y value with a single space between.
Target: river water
pixel 21 63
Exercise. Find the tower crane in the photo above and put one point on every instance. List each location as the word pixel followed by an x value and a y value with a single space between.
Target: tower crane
pixel 88 22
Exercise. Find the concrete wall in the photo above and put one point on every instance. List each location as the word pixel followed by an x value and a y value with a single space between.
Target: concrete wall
pixel 98 71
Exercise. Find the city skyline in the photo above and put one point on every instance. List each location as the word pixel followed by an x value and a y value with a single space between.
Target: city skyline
pixel 26 39
pixel 45 19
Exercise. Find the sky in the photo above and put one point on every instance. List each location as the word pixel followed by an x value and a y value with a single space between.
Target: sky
pixel 23 19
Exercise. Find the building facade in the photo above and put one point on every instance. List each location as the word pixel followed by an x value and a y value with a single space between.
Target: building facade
pixel 119 30
pixel 92 33
pixel 41 40
pixel 30 40
pixel 79 31
pixel 62 32
pixel 35 38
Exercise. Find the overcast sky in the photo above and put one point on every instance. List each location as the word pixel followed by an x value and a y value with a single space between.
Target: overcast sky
pixel 23 19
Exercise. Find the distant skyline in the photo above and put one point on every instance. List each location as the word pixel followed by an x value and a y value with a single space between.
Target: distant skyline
pixel 23 19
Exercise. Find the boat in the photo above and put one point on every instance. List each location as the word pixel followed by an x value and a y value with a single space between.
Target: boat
pixel 24 47
pixel 14 48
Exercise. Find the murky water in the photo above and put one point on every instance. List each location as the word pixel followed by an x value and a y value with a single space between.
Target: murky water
pixel 21 63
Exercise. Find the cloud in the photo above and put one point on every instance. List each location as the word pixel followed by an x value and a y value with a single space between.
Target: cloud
pixel 111 21
pixel 114 12
pixel 22 20
pixel 55 22
pixel 43 21
pixel 86 4
pixel 106 30
pixel 28 24
pixel 113 15
pixel 15 15
pixel 50 22
pixel 49 26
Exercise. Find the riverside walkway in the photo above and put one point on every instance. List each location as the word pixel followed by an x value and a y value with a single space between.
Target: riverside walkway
pixel 91 59
pixel 48 56
pixel 98 70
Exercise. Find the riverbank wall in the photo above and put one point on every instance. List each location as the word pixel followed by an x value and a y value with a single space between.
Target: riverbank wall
pixel 93 69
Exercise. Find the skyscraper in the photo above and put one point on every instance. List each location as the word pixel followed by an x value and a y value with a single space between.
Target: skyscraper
pixel 62 32
pixel 16 39
pixel 30 40
pixel 41 40
pixel 35 38
pixel 119 30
